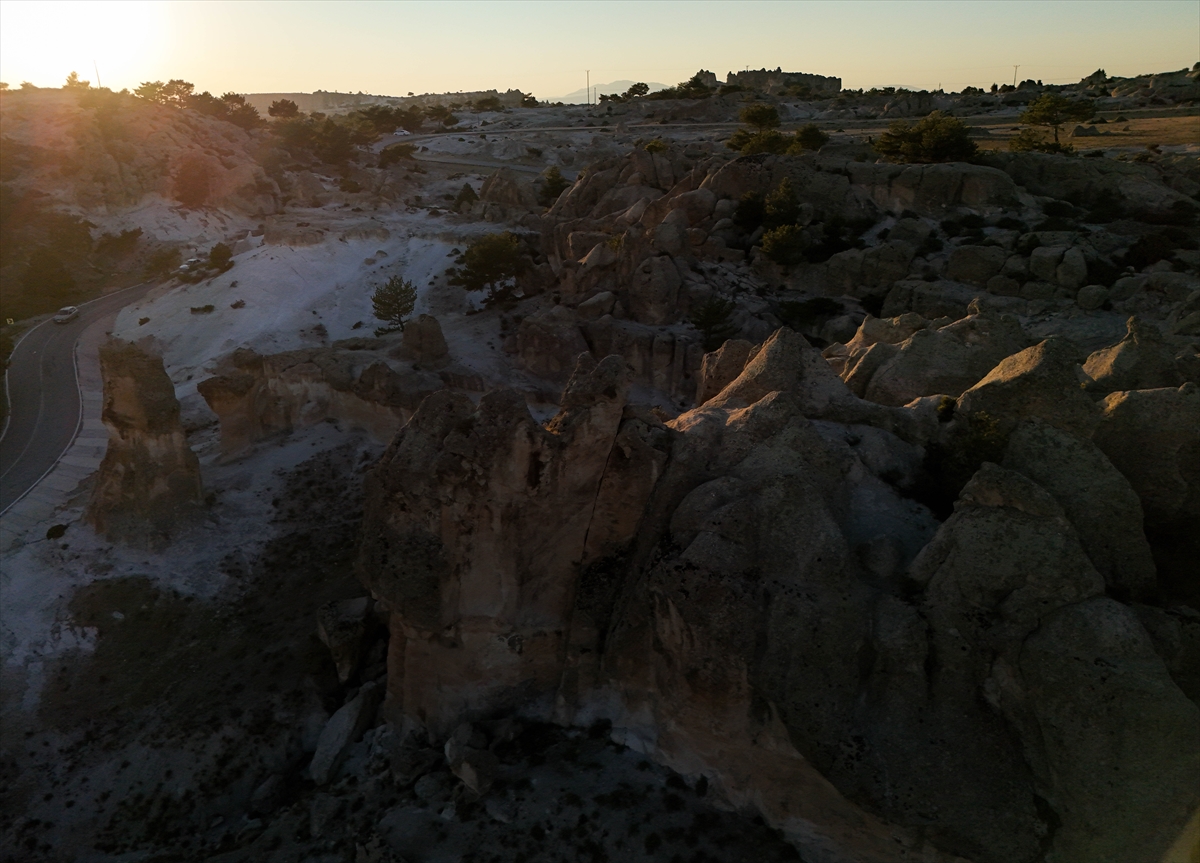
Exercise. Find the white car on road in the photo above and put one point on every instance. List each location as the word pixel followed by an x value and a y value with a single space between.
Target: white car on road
pixel 66 314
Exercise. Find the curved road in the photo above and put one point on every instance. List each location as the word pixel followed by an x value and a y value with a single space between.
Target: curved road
pixel 43 396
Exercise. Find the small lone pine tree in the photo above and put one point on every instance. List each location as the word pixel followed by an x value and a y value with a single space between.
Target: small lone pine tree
pixel 553 184
pixel 393 302
pixel 1051 110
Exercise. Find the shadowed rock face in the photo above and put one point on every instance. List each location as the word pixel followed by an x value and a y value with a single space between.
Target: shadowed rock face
pixel 149 480
pixel 266 395
pixel 746 593
pixel 477 522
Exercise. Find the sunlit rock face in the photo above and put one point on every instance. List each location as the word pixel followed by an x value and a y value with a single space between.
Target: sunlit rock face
pixel 149 480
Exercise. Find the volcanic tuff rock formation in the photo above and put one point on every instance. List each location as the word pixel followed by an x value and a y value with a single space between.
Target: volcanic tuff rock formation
pixel 149 480
pixel 352 382
pixel 755 565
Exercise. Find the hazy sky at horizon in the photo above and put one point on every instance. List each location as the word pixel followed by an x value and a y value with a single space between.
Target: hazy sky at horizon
pixel 545 48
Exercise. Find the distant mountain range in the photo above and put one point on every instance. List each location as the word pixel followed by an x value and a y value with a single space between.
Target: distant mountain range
pixel 580 96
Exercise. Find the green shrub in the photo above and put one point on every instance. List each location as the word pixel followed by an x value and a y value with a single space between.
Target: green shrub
pixel 785 245
pixel 760 115
pixel 770 141
pixel 220 257
pixel 1031 141
pixel 553 185
pixel 781 206
pixel 349 186
pixel 936 138
pixel 750 211
pixel 162 261
pixel 203 310
pixel 283 109
pixel 392 154
pixel 488 263
pixel 466 195
pixel 656 145
pixel 808 137
pixel 712 319
pixel 118 244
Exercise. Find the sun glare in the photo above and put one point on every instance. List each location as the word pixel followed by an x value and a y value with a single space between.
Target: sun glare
pixel 43 42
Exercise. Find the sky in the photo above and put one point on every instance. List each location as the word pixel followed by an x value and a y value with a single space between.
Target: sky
pixel 550 48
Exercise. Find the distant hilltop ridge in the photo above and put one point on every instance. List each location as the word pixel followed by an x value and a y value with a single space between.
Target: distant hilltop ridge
pixel 333 102
pixel 773 82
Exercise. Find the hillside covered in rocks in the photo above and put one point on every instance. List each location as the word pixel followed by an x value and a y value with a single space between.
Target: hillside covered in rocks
pixel 798 505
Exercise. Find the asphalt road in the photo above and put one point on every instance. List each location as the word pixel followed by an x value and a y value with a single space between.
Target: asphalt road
pixel 44 406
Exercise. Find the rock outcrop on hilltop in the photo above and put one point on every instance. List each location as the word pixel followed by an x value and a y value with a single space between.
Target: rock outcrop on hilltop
pixel 149 480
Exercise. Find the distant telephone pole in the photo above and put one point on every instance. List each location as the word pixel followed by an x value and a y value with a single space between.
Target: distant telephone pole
pixel 97 68
pixel 1015 68
pixel 588 88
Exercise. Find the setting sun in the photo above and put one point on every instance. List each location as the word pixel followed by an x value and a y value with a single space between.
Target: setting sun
pixel 44 42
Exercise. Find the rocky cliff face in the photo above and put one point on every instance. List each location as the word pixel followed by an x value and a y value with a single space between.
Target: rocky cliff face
pixel 478 522
pixel 149 481
pixel 357 384
pixel 752 593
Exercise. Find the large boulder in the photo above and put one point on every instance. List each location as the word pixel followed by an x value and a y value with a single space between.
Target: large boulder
pixel 507 188
pixel 1091 182
pixel 550 342
pixel 1094 495
pixel 1153 438
pixel 720 367
pixel 1041 382
pixel 1115 743
pixel 258 396
pixel 948 360
pixel 652 296
pixel 931 190
pixel 975 264
pixel 423 341
pixel 1140 361
pixel 1006 558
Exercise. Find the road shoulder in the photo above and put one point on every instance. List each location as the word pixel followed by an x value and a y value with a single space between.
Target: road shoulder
pixel 32 515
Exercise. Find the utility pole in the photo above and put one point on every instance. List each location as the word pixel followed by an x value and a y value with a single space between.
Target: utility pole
pixel 1015 68
pixel 589 86
pixel 97 68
